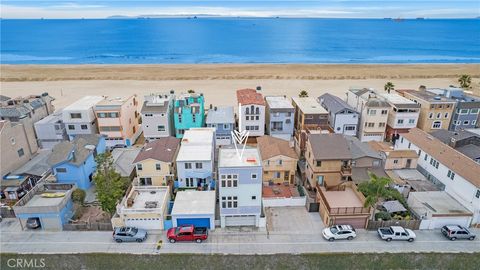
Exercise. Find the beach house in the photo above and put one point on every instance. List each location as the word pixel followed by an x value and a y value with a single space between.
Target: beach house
pixel 223 120
pixel 240 187
pixel 402 116
pixel 73 162
pixel 342 118
pixel 279 117
pixel 15 149
pixel 189 112
pixel 373 111
pixel 118 119
pixel 79 117
pixel 155 164
pixel 251 112
pixel 279 160
pixel 51 130
pixel 195 159
pixel 157 116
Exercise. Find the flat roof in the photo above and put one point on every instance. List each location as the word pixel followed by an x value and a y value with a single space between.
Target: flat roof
pixel 52 118
pixel 123 160
pixel 397 99
pixel 145 195
pixel 437 202
pixel 278 102
pixel 113 101
pixel 346 198
pixel 309 105
pixel 427 96
pixel 220 115
pixel 228 157
pixel 192 202
pixel 84 103
pixel 196 144
pixel 38 200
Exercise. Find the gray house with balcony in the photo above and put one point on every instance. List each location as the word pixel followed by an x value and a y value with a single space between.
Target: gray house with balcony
pixel 51 130
pixel 223 120
pixel 279 117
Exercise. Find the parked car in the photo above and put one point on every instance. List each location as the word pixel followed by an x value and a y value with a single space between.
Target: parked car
pixel 454 232
pixel 338 232
pixel 33 223
pixel 129 234
pixel 187 233
pixel 396 233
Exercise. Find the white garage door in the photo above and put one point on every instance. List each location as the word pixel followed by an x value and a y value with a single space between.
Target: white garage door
pixel 240 221
pixel 145 223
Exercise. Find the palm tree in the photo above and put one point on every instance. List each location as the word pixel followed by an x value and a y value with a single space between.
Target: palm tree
pixel 191 91
pixel 303 93
pixel 374 190
pixel 465 81
pixel 389 86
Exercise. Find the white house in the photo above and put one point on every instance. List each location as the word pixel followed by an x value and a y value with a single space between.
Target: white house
pixel 79 117
pixel 402 117
pixel 449 169
pixel 251 112
pixel 240 187
pixel 342 118
pixel 157 116
pixel 195 159
pixel 193 207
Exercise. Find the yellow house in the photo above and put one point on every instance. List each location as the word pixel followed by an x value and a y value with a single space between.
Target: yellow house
pixel 155 164
pixel 279 160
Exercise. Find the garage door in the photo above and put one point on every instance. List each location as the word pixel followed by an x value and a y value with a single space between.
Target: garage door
pixel 357 223
pixel 145 223
pixel 240 221
pixel 198 222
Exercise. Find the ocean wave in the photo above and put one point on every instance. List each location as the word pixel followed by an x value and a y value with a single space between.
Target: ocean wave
pixel 5 57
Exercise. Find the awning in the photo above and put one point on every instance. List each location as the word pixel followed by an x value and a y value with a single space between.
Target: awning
pixel 198 174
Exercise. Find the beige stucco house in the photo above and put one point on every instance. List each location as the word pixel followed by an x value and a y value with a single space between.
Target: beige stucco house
pixel 279 160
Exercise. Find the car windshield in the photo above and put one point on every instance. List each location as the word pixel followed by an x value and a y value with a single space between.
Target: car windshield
pixel 133 231
pixel 334 230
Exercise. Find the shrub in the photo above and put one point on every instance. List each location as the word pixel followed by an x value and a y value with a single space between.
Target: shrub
pixel 383 216
pixel 78 196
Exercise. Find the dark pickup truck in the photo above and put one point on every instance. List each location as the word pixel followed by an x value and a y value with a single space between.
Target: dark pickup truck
pixel 187 233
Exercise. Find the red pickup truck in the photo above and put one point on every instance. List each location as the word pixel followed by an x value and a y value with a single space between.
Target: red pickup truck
pixel 187 233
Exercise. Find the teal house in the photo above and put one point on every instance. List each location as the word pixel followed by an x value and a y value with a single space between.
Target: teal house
pixel 189 113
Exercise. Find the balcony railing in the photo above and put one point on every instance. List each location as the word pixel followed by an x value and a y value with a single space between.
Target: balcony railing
pixel 349 210
pixel 346 170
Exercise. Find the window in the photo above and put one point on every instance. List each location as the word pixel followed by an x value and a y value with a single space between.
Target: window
pixel 463 111
pixel 257 117
pixel 61 170
pixel 189 182
pixel 401 140
pixel 372 112
pixel 430 115
pixel 161 128
pixel 84 127
pixel 409 145
pixel 139 167
pixel 230 202
pixel 101 115
pixel 466 122
pixel 229 180
pixel 226 126
pixel 474 122
pixel 400 121
pixel 179 118
pixel 113 115
pixel 75 115
pixel 437 124
pixel 319 163
pixel 145 181
pixel 188 166
pixel 158 167
pixel 257 111
pixel 446 115
pixel 371 124
pixel 434 163
pixel 320 180
pixel 12 140
pixel 110 128
pixel 381 124
pixel 247 111
pixel 395 161
pixel 20 152
pixel 473 111
pixel 451 174
pixel 71 127
pixel 198 165
pixel 193 118
pixel 439 115
pixel 254 197
pixel 478 193
pixel 279 162
pixel 411 121
pixel 350 128
pixel 276 175
pixel 384 112
pixel 254 176
pixel 426 157
pixel 149 115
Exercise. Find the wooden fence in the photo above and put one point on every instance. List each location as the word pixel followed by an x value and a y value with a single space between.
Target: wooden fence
pixel 88 226
pixel 410 224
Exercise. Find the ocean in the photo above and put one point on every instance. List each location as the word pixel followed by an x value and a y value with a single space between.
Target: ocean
pixel 239 40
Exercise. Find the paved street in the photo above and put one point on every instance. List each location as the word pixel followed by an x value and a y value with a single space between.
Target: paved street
pixel 224 242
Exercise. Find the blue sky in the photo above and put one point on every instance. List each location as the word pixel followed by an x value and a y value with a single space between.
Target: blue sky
pixel 268 8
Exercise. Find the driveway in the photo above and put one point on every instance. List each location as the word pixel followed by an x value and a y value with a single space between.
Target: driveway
pixel 294 220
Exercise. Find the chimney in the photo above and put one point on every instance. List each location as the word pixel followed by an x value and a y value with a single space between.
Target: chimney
pixel 172 91
pixel 452 142
pixel 215 108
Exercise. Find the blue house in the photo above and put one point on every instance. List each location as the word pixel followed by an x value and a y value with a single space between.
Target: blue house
pixel 74 162
pixel 188 113
pixel 223 120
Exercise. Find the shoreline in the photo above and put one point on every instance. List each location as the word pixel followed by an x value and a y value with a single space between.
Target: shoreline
pixel 57 72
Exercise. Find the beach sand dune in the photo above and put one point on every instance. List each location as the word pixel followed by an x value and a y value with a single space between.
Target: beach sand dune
pixel 217 92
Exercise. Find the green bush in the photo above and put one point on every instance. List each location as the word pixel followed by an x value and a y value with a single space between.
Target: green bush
pixel 383 216
pixel 78 196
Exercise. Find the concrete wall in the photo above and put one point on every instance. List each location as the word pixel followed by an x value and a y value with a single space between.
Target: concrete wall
pixel 284 202
pixel 13 139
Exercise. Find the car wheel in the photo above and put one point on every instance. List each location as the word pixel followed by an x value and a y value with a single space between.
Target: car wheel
pixel 139 240
pixel 172 240
pixel 331 239
pixel 410 239
pixel 453 238
pixel 388 239
pixel 350 238
pixel 118 240
pixel 198 240
pixel 471 238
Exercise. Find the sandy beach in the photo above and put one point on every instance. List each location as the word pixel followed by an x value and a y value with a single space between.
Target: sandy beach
pixel 219 82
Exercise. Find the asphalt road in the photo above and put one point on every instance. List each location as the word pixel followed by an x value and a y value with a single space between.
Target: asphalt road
pixel 16 241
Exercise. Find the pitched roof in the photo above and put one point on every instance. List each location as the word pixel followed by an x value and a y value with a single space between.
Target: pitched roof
pixel 123 160
pixel 453 159
pixel 249 96
pixel 333 103
pixel 79 146
pixel 220 115
pixel 403 154
pixel 270 147
pixel 360 149
pixel 162 149
pixel 329 146
pixel 445 135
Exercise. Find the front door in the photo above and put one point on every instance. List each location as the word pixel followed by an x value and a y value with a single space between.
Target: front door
pixel 409 163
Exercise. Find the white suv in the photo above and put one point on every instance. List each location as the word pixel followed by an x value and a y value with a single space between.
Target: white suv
pixel 337 232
